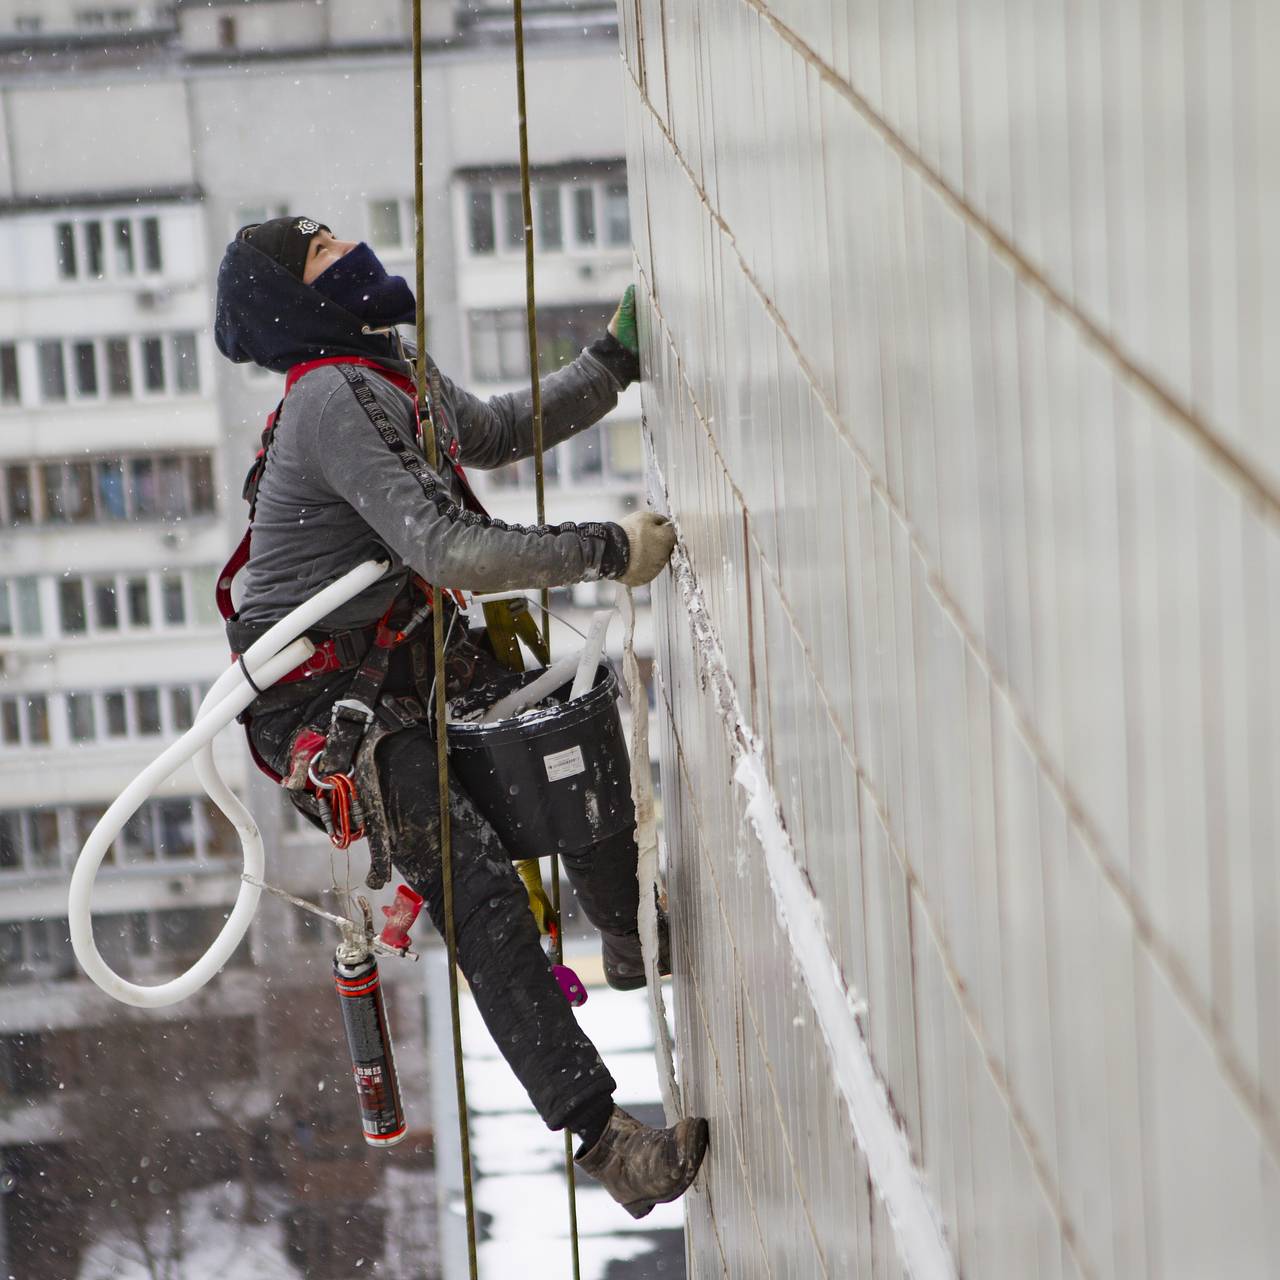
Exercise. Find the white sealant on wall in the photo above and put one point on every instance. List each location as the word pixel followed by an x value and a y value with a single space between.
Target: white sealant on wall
pixel 914 1218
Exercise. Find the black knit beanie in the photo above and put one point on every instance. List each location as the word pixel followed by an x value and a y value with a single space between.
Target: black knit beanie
pixel 283 240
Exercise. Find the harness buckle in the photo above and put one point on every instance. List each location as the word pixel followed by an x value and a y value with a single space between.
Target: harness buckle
pixel 348 647
pixel 351 709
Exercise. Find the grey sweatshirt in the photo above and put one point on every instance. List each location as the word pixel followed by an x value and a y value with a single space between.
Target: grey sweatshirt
pixel 334 493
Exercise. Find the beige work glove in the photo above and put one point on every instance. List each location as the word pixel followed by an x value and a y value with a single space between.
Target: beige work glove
pixel 652 538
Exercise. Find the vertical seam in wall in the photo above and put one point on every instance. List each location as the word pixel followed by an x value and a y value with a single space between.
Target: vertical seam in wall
pixel 1164 954
pixel 1258 489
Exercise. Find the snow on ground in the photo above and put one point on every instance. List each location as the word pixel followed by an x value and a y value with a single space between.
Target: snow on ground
pixel 520 1182
pixel 217 1247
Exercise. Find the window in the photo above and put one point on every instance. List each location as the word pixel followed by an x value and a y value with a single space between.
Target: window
pixel 138 596
pixel 617 214
pixel 385 231
pixel 38 719
pixel 586 456
pixel 53 373
pixel 513 219
pixel 550 226
pixel 148 704
pixel 625 450
pixel 153 364
pixel 152 258
pixel 43 843
pixel 186 370
pixel 18 495
pixel 122 247
pixel 106 610
pixel 65 237
pixel 122 239
pixel 110 490
pixel 116 715
pixel 106 604
pixel 85 363
pixel 81 722
pixel 68 492
pixel 10 841
pixel 119 373
pixel 173 604
pixel 480 235
pixel 500 343
pixel 568 213
pixel 72 614
pixel 584 215
pixel 20 607
pixel 95 259
pixel 163 486
pixel 178 829
pixel 181 709
pixel 10 388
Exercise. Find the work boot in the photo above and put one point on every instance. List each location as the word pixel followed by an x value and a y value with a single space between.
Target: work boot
pixel 639 1166
pixel 623 961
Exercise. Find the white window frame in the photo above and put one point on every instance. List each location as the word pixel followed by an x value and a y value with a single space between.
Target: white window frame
pixel 116 862
pixel 405 214
pixel 107 221
pixel 571 244
pixel 189 460
pixel 138 389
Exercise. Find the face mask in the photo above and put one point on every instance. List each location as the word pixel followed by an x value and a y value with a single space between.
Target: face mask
pixel 359 283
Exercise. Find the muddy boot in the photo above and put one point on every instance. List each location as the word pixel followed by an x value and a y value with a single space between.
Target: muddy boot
pixel 639 1166
pixel 623 963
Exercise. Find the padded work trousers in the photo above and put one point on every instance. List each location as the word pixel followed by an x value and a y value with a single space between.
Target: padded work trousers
pixel 499 951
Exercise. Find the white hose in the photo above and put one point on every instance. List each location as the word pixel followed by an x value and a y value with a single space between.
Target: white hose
pixel 269 658
pixel 560 672
pixel 585 678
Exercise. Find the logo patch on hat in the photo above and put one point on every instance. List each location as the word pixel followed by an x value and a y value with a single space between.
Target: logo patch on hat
pixel 306 226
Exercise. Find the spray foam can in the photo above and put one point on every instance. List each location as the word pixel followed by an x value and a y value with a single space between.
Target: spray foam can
pixel 364 1015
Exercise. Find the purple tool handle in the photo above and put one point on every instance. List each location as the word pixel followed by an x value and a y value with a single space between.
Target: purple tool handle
pixel 571 986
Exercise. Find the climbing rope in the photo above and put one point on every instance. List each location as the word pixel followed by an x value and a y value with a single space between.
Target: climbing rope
pixel 540 498
pixel 437 630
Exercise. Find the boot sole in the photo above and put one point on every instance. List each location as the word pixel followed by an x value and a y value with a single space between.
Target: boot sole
pixel 701 1140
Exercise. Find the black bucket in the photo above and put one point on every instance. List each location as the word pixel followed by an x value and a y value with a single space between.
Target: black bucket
pixel 554 780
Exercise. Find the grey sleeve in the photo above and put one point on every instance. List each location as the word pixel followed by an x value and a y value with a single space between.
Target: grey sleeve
pixel 436 537
pixel 493 432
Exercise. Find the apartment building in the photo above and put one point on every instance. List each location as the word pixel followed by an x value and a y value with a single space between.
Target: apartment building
pixel 139 138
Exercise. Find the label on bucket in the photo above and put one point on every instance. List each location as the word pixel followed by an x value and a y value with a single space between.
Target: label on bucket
pixel 564 764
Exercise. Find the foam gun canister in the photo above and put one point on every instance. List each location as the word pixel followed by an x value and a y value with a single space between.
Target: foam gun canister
pixel 364 1015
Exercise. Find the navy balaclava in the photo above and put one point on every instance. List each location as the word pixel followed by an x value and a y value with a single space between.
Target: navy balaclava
pixel 359 283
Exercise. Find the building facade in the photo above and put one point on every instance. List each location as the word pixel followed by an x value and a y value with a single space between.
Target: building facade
pixel 962 330
pixel 137 139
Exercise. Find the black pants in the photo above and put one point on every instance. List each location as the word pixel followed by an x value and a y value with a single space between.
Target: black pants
pixel 499 951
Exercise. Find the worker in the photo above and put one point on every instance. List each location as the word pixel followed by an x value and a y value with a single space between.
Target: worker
pixel 344 478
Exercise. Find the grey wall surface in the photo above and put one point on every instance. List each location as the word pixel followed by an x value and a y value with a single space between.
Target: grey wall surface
pixel 962 340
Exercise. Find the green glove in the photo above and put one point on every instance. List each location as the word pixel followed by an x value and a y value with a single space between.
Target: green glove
pixel 623 324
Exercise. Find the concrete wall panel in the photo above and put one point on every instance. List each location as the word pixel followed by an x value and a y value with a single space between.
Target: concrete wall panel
pixel 956 331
